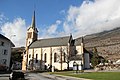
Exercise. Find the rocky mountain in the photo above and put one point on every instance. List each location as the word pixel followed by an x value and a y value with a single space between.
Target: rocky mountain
pixel 106 42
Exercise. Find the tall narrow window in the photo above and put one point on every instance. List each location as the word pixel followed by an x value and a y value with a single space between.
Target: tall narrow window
pixel 2 43
pixel 55 57
pixel 36 58
pixel 29 55
pixel 45 57
pixel 64 57
pixel 4 61
pixel 4 52
pixel 29 62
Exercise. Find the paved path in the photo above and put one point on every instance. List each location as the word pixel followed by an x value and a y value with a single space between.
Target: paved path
pixel 36 76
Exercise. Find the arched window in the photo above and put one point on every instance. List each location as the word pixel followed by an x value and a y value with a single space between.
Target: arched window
pixel 55 57
pixel 36 58
pixel 64 57
pixel 45 57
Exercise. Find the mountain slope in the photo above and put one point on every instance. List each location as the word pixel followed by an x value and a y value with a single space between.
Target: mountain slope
pixel 107 43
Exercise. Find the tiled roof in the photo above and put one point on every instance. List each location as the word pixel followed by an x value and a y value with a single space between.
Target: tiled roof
pixel 61 41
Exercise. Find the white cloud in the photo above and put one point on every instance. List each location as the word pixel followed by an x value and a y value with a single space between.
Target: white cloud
pixel 50 31
pixel 92 17
pixel 17 28
pixel 2 19
pixel 62 12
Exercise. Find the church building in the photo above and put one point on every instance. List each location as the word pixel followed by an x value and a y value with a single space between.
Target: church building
pixel 60 52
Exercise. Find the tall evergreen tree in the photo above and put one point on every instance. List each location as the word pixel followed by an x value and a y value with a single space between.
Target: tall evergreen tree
pixel 95 57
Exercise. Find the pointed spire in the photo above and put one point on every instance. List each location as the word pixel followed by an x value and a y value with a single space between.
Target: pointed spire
pixel 33 21
pixel 82 40
pixel 70 39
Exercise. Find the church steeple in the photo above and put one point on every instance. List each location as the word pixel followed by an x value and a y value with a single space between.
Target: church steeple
pixel 33 21
pixel 32 31
pixel 32 34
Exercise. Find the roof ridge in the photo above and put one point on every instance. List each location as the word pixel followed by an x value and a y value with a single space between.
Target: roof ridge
pixel 53 38
pixel 4 37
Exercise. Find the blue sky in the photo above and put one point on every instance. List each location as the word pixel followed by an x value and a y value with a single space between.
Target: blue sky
pixel 55 18
pixel 47 11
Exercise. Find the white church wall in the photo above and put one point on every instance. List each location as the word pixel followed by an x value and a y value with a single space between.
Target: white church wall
pixel 78 62
pixel 58 50
pixel 30 52
pixel 79 50
pixel 53 50
pixel 37 51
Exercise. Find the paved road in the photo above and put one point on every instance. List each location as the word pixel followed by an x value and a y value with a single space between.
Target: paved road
pixel 35 76
pixel 41 76
pixel 29 76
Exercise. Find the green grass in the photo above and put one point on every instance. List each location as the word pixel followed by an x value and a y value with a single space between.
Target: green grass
pixel 93 75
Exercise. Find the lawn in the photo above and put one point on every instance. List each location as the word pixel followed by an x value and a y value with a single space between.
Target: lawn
pixel 93 75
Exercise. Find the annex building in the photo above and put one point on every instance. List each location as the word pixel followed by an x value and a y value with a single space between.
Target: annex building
pixel 59 53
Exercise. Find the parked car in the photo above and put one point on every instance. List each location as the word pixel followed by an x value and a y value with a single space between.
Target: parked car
pixel 16 75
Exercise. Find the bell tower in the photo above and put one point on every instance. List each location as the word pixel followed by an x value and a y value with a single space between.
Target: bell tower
pixel 32 32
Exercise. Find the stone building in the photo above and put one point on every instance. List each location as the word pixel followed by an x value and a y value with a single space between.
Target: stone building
pixel 59 53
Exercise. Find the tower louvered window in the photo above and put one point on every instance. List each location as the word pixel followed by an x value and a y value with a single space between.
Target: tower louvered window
pixel 29 35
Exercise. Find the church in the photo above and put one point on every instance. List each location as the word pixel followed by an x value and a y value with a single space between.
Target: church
pixel 59 53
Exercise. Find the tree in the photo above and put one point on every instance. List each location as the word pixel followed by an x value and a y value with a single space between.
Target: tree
pixel 16 55
pixel 95 57
pixel 63 56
